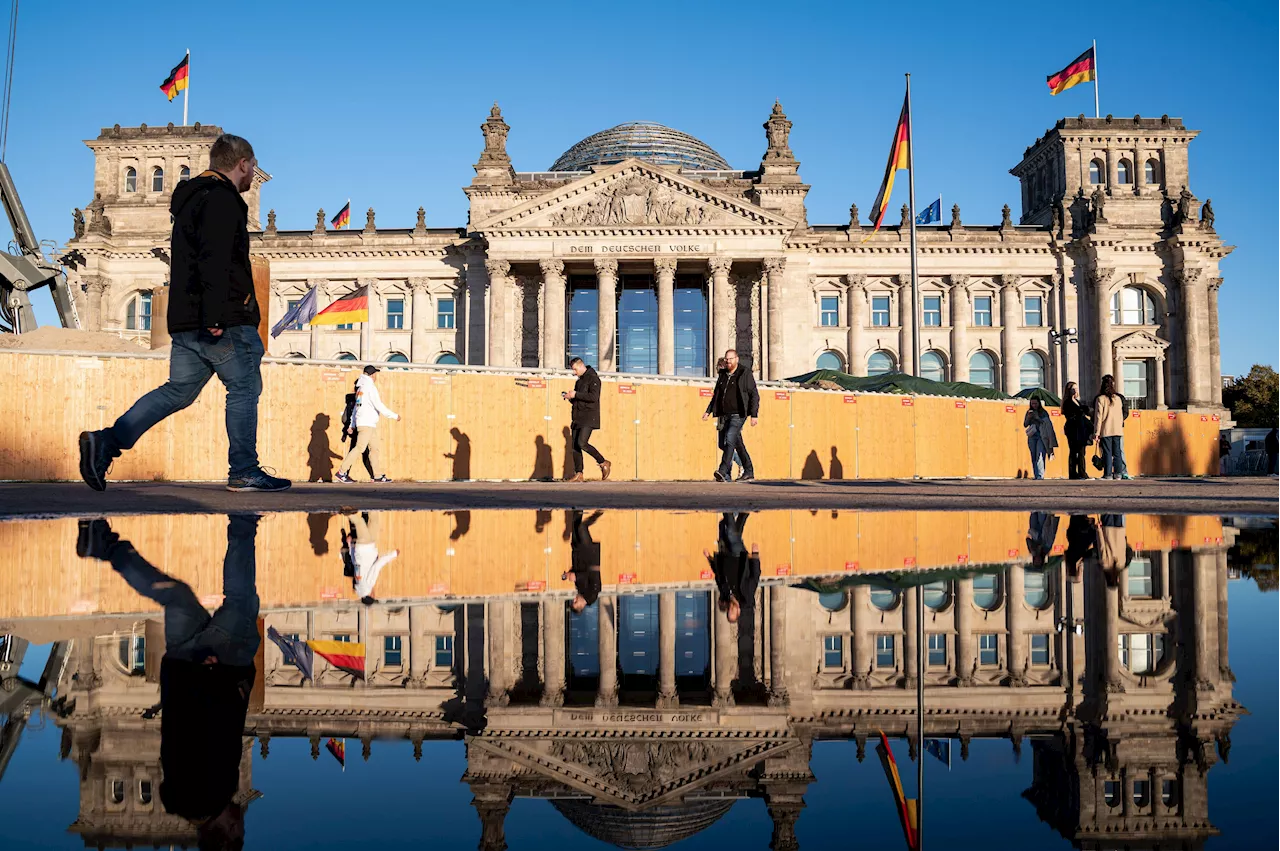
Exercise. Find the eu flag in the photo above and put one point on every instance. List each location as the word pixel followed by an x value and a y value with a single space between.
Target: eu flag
pixel 931 214
pixel 300 314
pixel 941 748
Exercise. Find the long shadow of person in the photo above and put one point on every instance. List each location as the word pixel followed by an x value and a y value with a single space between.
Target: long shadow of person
pixel 320 454
pixel 566 468
pixel 543 466
pixel 812 466
pixel 206 676
pixel 461 524
pixel 837 466
pixel 461 455
pixel 318 526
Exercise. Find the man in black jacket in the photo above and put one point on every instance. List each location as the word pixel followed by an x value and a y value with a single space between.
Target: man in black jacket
pixel 213 320
pixel 206 676
pixel 737 574
pixel 585 398
pixel 734 401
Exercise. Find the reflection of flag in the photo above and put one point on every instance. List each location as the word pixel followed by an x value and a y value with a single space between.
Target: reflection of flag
pixel 300 314
pixel 1083 69
pixel 899 158
pixel 295 653
pixel 906 808
pixel 343 217
pixel 339 751
pixel 931 214
pixel 941 748
pixel 344 655
pixel 177 79
pixel 353 307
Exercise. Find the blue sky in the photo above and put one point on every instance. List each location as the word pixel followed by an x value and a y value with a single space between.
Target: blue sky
pixel 381 102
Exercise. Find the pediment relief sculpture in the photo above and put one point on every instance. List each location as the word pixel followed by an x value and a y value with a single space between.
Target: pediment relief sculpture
pixel 1141 341
pixel 637 201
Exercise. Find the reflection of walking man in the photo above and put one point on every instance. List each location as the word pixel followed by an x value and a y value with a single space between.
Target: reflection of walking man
pixel 585 561
pixel 737 574
pixel 366 561
pixel 585 398
pixel 206 676
pixel 369 408
pixel 735 399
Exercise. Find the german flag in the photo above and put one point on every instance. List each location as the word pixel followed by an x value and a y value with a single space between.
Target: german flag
pixel 1083 69
pixel 899 158
pixel 908 812
pixel 348 309
pixel 339 751
pixel 177 79
pixel 343 218
pixel 344 655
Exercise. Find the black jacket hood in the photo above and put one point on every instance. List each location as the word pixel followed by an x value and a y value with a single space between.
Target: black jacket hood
pixel 188 189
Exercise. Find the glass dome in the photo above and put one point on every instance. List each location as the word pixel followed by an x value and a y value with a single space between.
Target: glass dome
pixel 643 140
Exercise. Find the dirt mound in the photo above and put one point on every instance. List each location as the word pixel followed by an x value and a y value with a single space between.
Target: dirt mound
pixel 51 338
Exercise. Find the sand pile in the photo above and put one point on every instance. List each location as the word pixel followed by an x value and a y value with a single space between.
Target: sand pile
pixel 51 338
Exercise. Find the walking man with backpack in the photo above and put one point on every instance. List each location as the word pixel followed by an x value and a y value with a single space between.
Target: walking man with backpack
pixel 213 319
pixel 364 421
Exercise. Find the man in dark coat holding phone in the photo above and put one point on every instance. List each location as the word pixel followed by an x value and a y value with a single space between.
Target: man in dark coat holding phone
pixel 585 398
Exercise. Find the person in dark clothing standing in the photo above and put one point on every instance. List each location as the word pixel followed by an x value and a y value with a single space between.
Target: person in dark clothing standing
pixel 206 676
pixel 734 401
pixel 584 555
pixel 737 574
pixel 1079 430
pixel 585 398
pixel 213 320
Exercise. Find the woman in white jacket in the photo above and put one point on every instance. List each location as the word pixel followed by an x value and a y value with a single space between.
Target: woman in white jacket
pixel 364 420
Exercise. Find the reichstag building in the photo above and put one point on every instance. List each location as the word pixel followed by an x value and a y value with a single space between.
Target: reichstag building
pixel 643 251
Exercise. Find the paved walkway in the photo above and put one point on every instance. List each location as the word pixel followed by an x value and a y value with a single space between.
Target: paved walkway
pixel 1139 496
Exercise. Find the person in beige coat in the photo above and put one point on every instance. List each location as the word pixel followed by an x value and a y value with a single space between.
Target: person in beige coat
pixel 1108 429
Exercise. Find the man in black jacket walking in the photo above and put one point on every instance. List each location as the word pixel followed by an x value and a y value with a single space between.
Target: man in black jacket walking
pixel 734 401
pixel 213 320
pixel 585 398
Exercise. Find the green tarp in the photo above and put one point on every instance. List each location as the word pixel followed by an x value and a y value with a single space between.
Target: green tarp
pixel 1045 397
pixel 898 382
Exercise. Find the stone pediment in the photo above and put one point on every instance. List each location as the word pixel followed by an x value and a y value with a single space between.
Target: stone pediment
pixel 1141 341
pixel 636 196
pixel 637 772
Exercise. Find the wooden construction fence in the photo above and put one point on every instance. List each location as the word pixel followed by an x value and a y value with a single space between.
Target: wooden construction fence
pixel 489 425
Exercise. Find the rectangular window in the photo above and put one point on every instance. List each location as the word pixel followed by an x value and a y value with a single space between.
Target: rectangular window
pixel 395 314
pixel 690 309
pixel 1135 381
pixel 880 311
pixel 830 311
pixel 988 649
pixel 584 319
pixel 884 651
pixel 444 651
pixel 1141 581
pixel 937 651
pixel 832 651
pixel 982 311
pixel 1033 311
pixel 342 637
pixel 1040 649
pixel 345 326
pixel 933 310
pixel 444 313
pixel 391 655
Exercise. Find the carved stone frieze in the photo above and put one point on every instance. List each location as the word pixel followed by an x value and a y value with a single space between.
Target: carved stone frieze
pixel 637 201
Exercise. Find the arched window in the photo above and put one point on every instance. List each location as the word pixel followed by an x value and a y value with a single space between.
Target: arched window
pixel 130 179
pixel 116 791
pixel 1096 171
pixel 1168 791
pixel 1151 174
pixel 144 791
pixel 157 179
pixel 986 591
pixel 1111 792
pixel 448 358
pixel 397 357
pixel 133 653
pixel 1133 306
pixel 936 594
pixel 137 313
pixel 1141 793
pixel 296 355
pixel 1141 653
pixel 184 173
pixel 879 363
pixel 1035 589
pixel 346 356
pixel 1124 173
pixel 1031 371
pixel 830 360
pixel 982 370
pixel 833 601
pixel 883 598
pixel 933 367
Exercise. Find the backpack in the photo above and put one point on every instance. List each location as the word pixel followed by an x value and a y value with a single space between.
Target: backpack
pixel 349 412
pixel 1124 405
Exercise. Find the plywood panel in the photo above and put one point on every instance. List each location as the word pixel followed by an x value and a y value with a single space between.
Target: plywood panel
pixel 887 540
pixel 886 437
pixel 1202 443
pixel 1138 430
pixel 505 419
pixel 997 441
pixel 942 447
pixel 770 442
pixel 826 542
pixel 1056 467
pixel 942 538
pixel 824 439
pixel 674 442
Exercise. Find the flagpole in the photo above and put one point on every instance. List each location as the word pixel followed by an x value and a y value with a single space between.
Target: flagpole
pixel 186 92
pixel 915 272
pixel 1097 113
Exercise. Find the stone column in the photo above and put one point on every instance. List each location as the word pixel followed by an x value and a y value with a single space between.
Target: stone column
pixel 667 697
pixel 1008 326
pixel 666 271
pixel 1215 345
pixel 723 308
pixel 366 328
pixel 553 656
pixel 906 335
pixel 856 306
pixel 1195 300
pixel 1112 682
pixel 1204 584
pixel 910 669
pixel 553 332
pixel 966 650
pixel 784 814
pixel 322 301
pixel 726 658
pixel 499 284
pixel 774 267
pixel 492 802
pixel 778 646
pixel 499 659
pixel 1159 379
pixel 753 308
pixel 96 289
pixel 607 312
pixel 1101 286
pixel 960 309
pixel 607 691
pixel 420 316
pixel 1224 658
pixel 1016 622
pixel 861 652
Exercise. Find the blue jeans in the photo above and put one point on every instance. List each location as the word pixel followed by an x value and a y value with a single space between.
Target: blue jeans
pixel 236 358
pixel 1112 456
pixel 190 632
pixel 730 429
pixel 1036 445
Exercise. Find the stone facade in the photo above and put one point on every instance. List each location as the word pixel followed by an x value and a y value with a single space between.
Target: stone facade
pixel 1112 268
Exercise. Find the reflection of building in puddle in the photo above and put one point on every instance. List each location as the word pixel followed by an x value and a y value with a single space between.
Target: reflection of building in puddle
pixel 645 717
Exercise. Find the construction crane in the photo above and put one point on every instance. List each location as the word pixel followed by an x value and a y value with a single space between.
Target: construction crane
pixel 27 269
